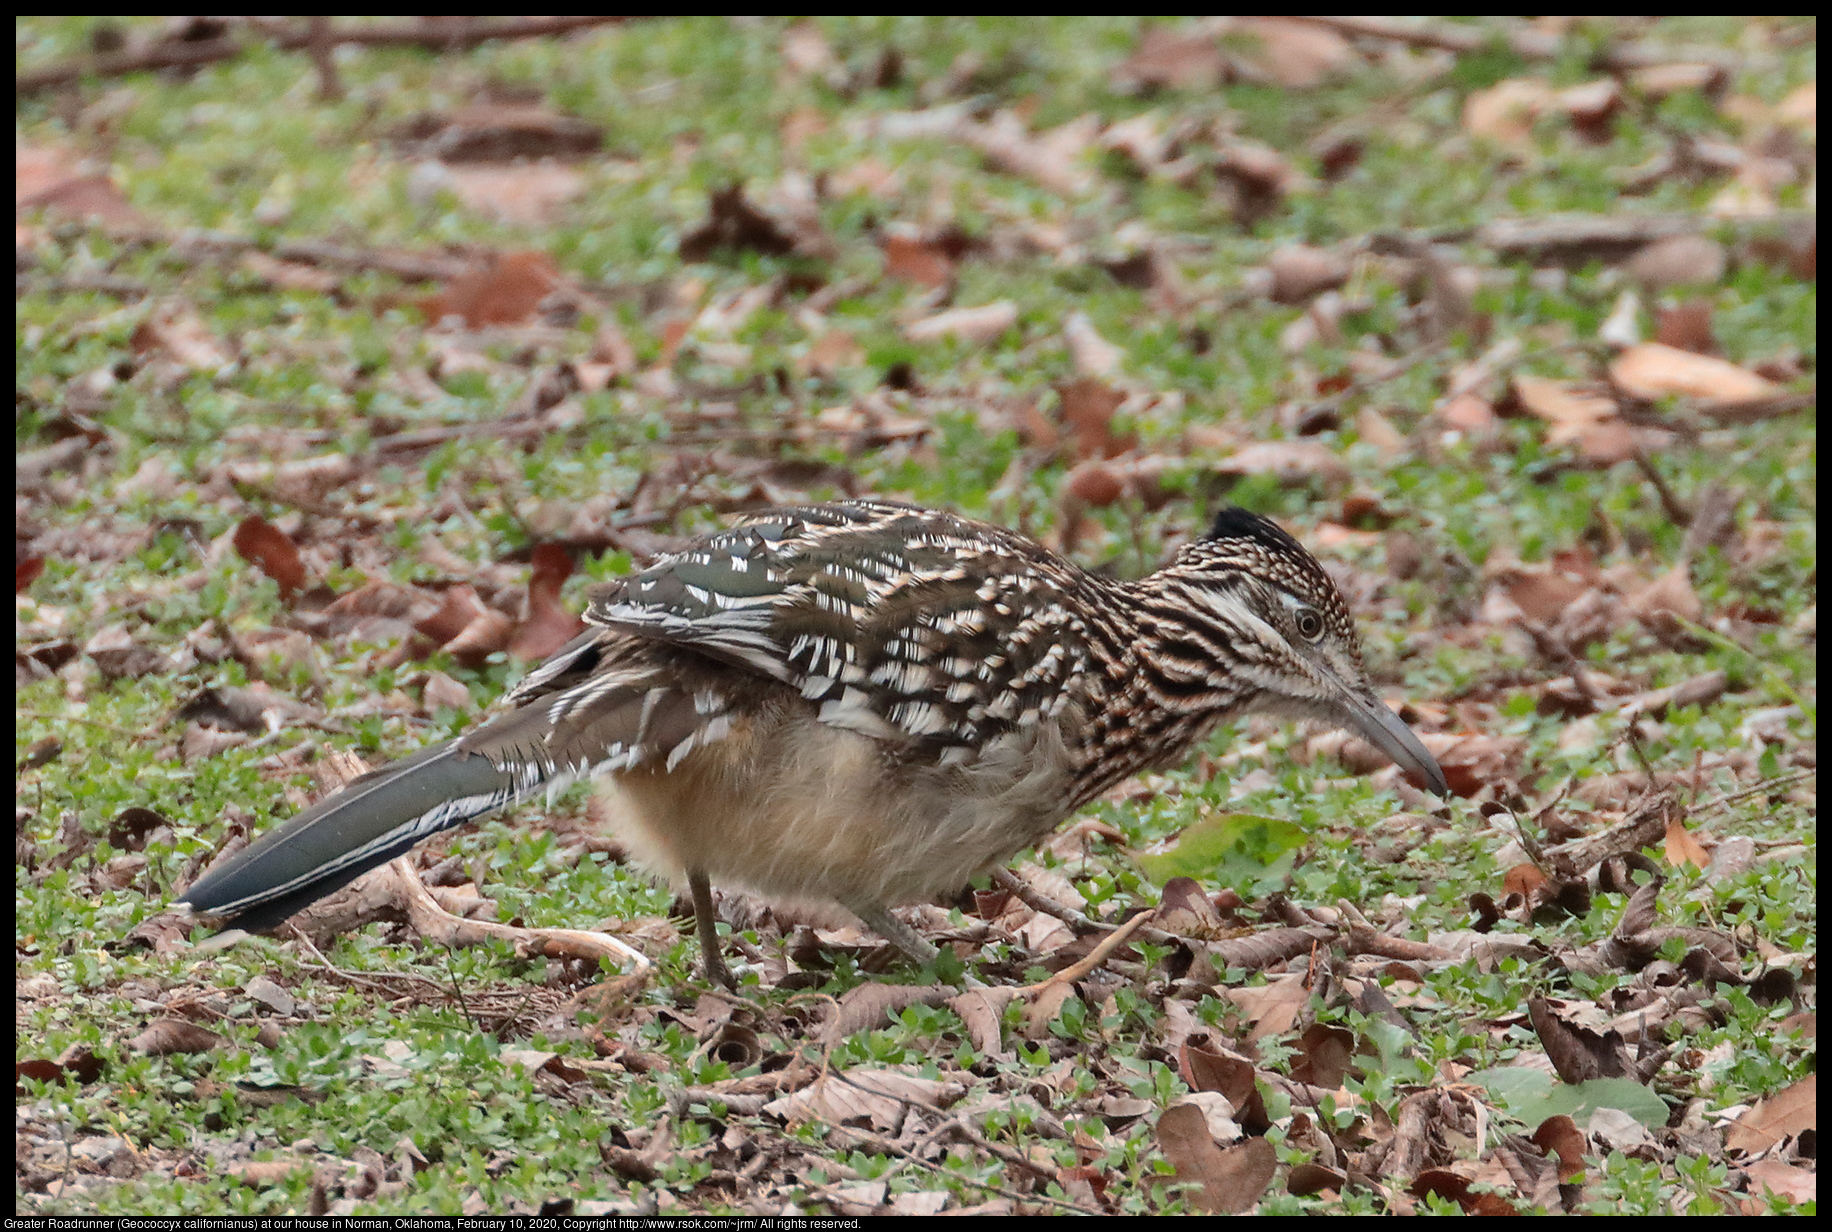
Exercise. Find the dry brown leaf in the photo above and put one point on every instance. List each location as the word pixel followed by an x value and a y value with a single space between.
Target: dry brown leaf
pixel 1685 326
pixel 1290 462
pixel 1800 108
pixel 549 625
pixel 1660 80
pixel 1570 411
pixel 506 290
pixel 1668 597
pixel 180 335
pixel 167 1036
pixel 1300 271
pixel 1142 139
pixel 1783 1180
pixel 45 182
pixel 1787 1113
pixel 1377 430
pixel 1653 370
pixel 1296 55
pixel 832 351
pixel 805 50
pixel 866 175
pixel 981 1010
pixel 1231 1181
pixel 443 693
pixel 1682 848
pixel 733 223
pixel 1679 260
pixel 1088 406
pixel 1560 1135
pixel 289 275
pixel 1471 415
pixel 1095 483
pixel 1052 159
pixel 979 324
pixel 876 1094
pixel 920 261
pixel 1587 421
pixel 1173 59
pixel 1093 355
pixel 1042 1007
pixel 1505 112
pixel 1274 1007
pixel 530 193
pixel 1591 106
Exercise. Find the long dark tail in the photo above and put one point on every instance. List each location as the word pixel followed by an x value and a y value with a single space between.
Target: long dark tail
pixel 371 821
pixel 584 712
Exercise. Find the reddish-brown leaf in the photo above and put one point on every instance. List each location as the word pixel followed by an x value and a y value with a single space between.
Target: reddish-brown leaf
pixel 26 570
pixel 920 261
pixel 549 625
pixel 507 290
pixel 270 550
pixel 1088 405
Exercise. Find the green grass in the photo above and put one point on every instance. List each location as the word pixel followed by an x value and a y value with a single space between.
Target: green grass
pixel 689 105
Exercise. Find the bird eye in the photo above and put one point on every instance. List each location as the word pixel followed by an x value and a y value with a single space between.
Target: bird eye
pixel 1310 625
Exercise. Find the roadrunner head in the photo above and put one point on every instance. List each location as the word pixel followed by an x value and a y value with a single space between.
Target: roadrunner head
pixel 1246 620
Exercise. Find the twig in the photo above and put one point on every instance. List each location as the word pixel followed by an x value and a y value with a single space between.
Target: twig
pixel 1676 512
pixel 444 36
pixel 1586 235
pixel 1758 409
pixel 1098 955
pixel 435 923
pixel 1528 44
pixel 888 1147
pixel 1078 921
pixel 1760 789
pixel 322 49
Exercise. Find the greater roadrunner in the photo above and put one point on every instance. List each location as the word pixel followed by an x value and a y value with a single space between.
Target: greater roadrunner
pixel 862 702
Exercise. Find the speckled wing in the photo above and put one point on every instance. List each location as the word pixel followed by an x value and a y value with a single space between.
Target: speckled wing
pixel 896 622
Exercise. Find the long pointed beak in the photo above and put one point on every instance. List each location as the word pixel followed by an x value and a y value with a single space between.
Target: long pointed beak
pixel 1383 729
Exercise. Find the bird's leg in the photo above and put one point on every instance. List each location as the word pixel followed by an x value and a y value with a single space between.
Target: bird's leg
pixel 707 924
pixel 879 919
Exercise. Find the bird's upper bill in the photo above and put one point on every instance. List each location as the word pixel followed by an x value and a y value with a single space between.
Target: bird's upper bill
pixel 1367 715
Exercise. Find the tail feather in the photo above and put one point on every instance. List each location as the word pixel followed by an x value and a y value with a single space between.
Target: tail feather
pixel 371 821
pixel 599 722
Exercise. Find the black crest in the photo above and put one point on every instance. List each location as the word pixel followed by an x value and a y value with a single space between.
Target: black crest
pixel 1234 522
